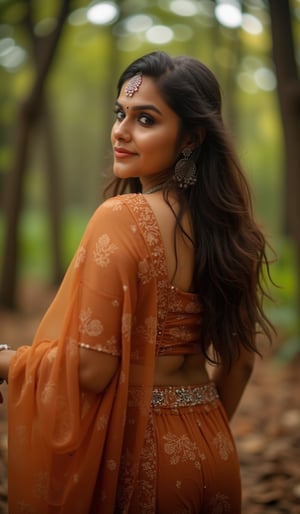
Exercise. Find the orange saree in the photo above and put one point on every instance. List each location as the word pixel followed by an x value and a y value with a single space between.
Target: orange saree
pixel 70 451
pixel 120 451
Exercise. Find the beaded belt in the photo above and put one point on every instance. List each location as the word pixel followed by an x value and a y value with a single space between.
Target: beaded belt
pixel 184 396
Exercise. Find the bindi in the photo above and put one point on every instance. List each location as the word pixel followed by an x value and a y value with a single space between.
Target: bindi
pixel 133 85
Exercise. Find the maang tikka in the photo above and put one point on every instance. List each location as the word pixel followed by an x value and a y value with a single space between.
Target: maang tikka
pixel 185 172
pixel 133 85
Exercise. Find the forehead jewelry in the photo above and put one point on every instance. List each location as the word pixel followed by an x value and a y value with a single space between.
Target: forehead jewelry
pixel 133 85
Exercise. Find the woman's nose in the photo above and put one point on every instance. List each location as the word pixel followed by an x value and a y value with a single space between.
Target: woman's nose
pixel 121 130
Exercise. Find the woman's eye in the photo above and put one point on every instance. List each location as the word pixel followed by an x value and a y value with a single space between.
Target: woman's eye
pixel 145 119
pixel 120 115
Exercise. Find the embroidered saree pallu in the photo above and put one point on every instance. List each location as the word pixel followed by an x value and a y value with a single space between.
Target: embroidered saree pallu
pixel 83 453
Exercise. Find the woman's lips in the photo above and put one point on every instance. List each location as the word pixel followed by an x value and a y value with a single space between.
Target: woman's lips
pixel 122 153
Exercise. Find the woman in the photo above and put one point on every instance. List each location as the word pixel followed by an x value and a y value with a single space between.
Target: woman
pixel 112 408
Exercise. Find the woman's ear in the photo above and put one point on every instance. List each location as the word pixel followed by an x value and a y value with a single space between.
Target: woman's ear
pixel 199 136
pixel 195 139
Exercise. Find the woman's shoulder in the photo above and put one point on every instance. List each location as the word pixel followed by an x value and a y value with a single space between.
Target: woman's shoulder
pixel 123 216
pixel 113 207
pixel 122 205
pixel 117 213
pixel 114 224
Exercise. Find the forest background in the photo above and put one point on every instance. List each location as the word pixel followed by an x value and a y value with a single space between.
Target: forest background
pixel 59 62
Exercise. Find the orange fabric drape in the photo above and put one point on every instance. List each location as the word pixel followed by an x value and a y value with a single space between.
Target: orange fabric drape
pixel 73 452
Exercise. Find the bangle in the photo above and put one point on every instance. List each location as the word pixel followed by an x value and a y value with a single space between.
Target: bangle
pixel 4 347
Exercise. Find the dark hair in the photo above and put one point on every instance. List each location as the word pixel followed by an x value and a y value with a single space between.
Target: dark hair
pixel 230 249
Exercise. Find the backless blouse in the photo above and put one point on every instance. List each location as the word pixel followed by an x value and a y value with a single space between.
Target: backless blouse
pixel 181 334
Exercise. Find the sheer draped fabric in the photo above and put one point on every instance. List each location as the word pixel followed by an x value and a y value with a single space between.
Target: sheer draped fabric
pixel 79 452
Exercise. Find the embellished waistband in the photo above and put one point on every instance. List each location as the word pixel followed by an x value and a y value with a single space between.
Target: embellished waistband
pixel 184 396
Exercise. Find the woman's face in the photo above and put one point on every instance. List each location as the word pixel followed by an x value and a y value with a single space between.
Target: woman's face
pixel 145 135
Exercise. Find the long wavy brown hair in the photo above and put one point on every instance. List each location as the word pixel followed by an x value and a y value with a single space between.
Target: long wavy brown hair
pixel 231 264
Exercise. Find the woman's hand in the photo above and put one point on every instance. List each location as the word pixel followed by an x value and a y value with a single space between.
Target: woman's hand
pixel 231 384
pixel 6 353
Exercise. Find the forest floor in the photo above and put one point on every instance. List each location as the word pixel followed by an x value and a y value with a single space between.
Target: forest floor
pixel 266 426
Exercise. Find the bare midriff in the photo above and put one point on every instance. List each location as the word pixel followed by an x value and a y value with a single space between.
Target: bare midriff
pixel 180 370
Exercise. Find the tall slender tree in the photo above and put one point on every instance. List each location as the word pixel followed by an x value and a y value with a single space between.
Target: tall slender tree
pixel 44 51
pixel 289 102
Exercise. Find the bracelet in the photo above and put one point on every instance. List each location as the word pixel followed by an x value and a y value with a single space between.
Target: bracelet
pixel 4 347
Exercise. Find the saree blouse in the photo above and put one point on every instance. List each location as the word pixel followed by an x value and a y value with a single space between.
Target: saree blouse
pixel 75 452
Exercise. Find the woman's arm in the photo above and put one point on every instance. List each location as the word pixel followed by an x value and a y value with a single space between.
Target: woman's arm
pixel 96 370
pixel 231 384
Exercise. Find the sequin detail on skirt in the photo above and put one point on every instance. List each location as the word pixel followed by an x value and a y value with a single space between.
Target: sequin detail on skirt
pixel 184 396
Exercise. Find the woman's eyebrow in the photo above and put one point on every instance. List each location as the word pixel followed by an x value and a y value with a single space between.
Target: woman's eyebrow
pixel 145 107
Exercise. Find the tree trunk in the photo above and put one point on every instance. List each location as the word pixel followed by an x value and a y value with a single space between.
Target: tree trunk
pixel 54 188
pixel 289 102
pixel 26 119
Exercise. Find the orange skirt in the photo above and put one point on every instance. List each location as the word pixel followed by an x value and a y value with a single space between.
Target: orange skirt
pixel 189 463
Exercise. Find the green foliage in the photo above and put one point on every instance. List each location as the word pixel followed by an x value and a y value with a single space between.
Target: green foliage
pixel 35 242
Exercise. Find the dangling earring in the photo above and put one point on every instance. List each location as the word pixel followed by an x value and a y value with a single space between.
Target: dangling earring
pixel 185 170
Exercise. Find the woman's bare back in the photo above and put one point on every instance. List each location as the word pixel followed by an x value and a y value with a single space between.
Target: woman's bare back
pixel 177 369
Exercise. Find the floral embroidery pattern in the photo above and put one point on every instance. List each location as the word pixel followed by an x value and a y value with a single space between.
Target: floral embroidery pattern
pixel 224 445
pixel 114 204
pixel 62 429
pixel 182 449
pixel 137 399
pixel 80 256
pixel 145 483
pixel 175 302
pixel 147 330
pixel 51 355
pixel 104 249
pixel 48 393
pixel 101 422
pixel 149 228
pixel 126 325
pixel 145 271
pixel 193 307
pixel 126 483
pixel 117 205
pixel 111 344
pixel 180 333
pixel 220 504
pixel 89 326
pixel 111 465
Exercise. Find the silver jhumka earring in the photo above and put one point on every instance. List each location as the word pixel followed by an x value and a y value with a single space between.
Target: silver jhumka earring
pixel 185 170
pixel 133 85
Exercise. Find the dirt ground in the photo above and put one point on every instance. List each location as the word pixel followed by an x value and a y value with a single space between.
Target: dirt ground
pixel 266 426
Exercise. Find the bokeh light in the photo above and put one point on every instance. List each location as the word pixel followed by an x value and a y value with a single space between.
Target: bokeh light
pixel 103 13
